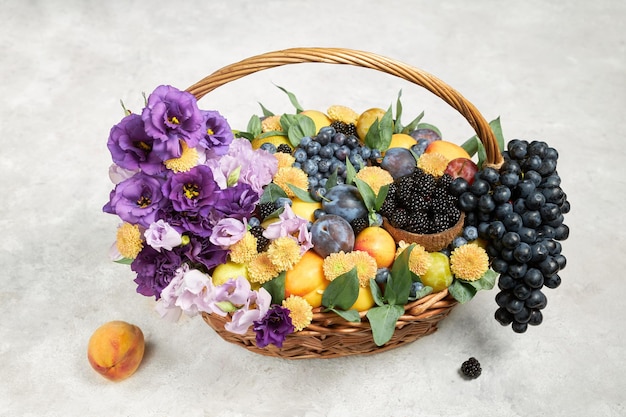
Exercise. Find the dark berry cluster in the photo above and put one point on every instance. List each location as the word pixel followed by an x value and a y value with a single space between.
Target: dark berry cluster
pixel 471 368
pixel 261 241
pixel 421 203
pixel 519 211
pixel 345 128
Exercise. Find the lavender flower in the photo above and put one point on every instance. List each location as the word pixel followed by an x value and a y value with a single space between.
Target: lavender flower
pixel 172 115
pixel 274 327
pixel 227 232
pixel 193 191
pixel 131 147
pixel 154 270
pixel 161 235
pixel 255 309
pixel 218 133
pixel 289 224
pixel 137 200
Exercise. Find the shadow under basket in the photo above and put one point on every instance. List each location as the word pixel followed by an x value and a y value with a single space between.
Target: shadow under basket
pixel 330 336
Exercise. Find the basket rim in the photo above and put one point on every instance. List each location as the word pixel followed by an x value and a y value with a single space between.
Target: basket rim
pixel 357 58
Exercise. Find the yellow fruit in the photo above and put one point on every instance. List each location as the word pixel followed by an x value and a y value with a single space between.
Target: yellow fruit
pixel 116 349
pixel 319 118
pixel 224 272
pixel 366 119
pixel 306 279
pixel 378 243
pixel 365 301
pixel 448 149
pixel 275 140
pixel 438 277
pixel 305 209
pixel 402 140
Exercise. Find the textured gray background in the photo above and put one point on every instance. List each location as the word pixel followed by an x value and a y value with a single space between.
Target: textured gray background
pixel 552 70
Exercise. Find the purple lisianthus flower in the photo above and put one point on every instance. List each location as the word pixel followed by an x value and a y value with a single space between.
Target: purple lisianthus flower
pixel 154 270
pixel 227 232
pixel 218 134
pixel 256 167
pixel 161 235
pixel 274 327
pixel 118 174
pixel 236 202
pixel 253 310
pixel 288 225
pixel 131 147
pixel 137 200
pixel 201 251
pixel 172 115
pixel 193 191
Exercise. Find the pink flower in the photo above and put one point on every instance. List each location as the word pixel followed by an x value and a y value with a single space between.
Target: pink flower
pixel 161 235
pixel 288 225
pixel 227 232
pixel 255 309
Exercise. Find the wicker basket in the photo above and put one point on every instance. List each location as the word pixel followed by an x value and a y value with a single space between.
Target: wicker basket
pixel 329 335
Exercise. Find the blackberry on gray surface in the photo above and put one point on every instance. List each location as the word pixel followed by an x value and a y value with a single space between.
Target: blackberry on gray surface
pixel 471 368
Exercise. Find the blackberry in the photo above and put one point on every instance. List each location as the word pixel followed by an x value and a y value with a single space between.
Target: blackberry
pixel 444 181
pixel 359 224
pixel 265 209
pixel 425 183
pixel 261 241
pixel 399 218
pixel 388 207
pixel 471 368
pixel 406 190
pixel 284 148
pixel 345 128
pixel 418 223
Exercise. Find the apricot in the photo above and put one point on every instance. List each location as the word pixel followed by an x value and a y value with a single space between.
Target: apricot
pixel 320 119
pixel 378 243
pixel 366 119
pixel 364 301
pixel 116 349
pixel 306 279
pixel 402 140
pixel 448 149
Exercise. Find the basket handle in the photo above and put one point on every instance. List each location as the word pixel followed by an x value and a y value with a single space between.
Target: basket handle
pixel 360 59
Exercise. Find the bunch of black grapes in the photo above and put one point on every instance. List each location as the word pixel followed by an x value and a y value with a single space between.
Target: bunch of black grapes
pixel 519 211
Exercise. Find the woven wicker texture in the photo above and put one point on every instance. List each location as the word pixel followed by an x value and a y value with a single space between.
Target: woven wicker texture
pixel 329 335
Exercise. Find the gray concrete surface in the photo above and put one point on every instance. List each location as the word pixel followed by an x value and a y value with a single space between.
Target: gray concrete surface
pixel 554 71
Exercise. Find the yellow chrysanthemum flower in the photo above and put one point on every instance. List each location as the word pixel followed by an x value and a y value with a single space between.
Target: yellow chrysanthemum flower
pixel 284 253
pixel 261 269
pixel 300 311
pixel 419 259
pixel 271 124
pixel 187 159
pixel 338 113
pixel 285 160
pixel 339 263
pixel 434 163
pixel 129 242
pixel 293 176
pixel 375 177
pixel 244 251
pixel 469 262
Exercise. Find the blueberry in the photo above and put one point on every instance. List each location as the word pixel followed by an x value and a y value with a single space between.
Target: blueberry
pixel 304 142
pixel 300 154
pixel 510 167
pixel 313 148
pixel 415 288
pixel 382 274
pixel 548 166
pixel 375 154
pixel 269 147
pixel 323 165
pixel 254 221
pixel 517 149
pixel 553 282
pixel 328 130
pixel 366 152
pixel 309 167
pixel 326 152
pixel 339 139
pixel 352 141
pixel 459 241
pixel 281 201
pixel 342 153
pixel 470 233
pixel 324 136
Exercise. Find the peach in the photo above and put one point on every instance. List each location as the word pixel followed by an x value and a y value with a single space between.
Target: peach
pixel 378 243
pixel 116 349
pixel 306 279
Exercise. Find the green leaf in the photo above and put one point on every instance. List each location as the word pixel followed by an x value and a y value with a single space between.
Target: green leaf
pixel 303 126
pixel 271 193
pixel 413 125
pixel 399 282
pixel 349 315
pixel 272 133
pixel 380 132
pixel 367 194
pixel 293 99
pixel 226 306
pixel 254 126
pixel 286 120
pixel 380 197
pixel 383 321
pixel 376 294
pixel 350 172
pixel 397 127
pixel 471 145
pixel 496 128
pixel 486 282
pixel 482 154
pixel 276 288
pixel 266 112
pixel 342 292
pixel 124 261
pixel 301 194
pixel 461 291
pixel 331 181
pixel 245 135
